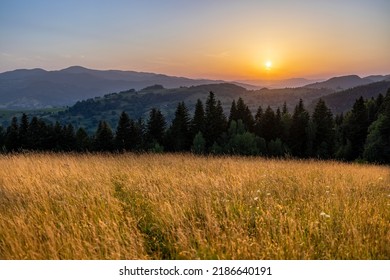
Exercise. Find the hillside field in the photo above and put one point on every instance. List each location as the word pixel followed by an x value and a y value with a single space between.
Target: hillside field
pixel 151 206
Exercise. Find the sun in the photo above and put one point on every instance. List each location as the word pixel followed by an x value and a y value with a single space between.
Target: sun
pixel 268 64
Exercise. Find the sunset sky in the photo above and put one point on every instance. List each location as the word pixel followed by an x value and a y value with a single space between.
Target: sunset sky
pixel 226 39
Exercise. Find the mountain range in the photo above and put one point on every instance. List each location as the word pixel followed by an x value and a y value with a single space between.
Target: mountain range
pixel 37 88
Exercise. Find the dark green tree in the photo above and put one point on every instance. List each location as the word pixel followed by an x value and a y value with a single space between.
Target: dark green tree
pixel 199 144
pixel 123 133
pixel 298 131
pixel 258 121
pixel 104 138
pixel 233 113
pixel 178 135
pixel 377 145
pixel 355 126
pixel 198 121
pixel 12 139
pixel 156 126
pixel 83 141
pixel 240 141
pixel 267 125
pixel 244 114
pixel 215 121
pixel 324 136
pixel 69 138
pixel 285 124
pixel 23 132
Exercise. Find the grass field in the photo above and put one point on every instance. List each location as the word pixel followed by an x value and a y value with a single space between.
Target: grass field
pixel 55 206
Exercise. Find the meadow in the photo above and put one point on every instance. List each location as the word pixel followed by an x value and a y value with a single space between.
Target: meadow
pixel 152 206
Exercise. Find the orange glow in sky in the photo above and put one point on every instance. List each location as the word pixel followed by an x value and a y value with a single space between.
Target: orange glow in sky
pixel 224 39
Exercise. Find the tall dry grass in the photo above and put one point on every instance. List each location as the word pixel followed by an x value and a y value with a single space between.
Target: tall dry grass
pixel 55 206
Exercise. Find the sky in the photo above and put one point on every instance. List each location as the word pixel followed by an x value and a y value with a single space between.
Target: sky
pixel 218 39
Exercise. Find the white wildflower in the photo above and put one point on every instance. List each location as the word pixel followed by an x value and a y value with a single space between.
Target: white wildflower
pixel 323 214
pixel 256 198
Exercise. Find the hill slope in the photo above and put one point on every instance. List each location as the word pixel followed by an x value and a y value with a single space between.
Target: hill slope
pixel 137 104
pixel 38 88
pixel 346 82
pixel 342 101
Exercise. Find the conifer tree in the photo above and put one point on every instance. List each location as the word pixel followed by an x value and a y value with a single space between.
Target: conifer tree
pixel 233 113
pixel 104 138
pixel 215 121
pixel 83 141
pixel 122 134
pixel 69 138
pixel 377 145
pixel 267 125
pixel 323 142
pixel 355 126
pixel 179 132
pixel 298 130
pixel 23 131
pixel 244 114
pixel 155 128
pixel 198 121
pixel 258 121
pixel 285 124
pixel 12 140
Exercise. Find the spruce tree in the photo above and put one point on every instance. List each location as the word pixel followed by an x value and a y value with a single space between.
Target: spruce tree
pixel 198 121
pixel 298 131
pixel 233 113
pixel 122 134
pixel 12 140
pixel 244 114
pixel 69 138
pixel 83 141
pixel 104 138
pixel 377 145
pixel 323 142
pixel 355 128
pixel 286 120
pixel 23 132
pixel 215 121
pixel 267 125
pixel 156 126
pixel 258 121
pixel 179 131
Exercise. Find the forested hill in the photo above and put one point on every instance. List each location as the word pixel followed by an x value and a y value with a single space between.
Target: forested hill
pixel 137 104
pixel 38 88
pixel 342 101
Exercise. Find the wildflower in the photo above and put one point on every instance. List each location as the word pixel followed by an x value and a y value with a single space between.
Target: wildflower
pixel 268 193
pixel 256 198
pixel 323 214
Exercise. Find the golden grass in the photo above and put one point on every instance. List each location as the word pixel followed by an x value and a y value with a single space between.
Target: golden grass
pixel 55 206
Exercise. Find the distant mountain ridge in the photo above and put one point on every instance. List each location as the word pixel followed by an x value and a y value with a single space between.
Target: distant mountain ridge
pixel 38 88
pixel 346 82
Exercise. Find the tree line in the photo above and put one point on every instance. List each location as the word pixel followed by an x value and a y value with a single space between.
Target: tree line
pixel 363 133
